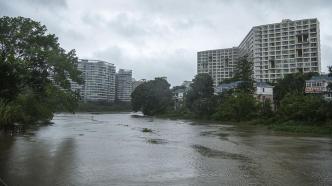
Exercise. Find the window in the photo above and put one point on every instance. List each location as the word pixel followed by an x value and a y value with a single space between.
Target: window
pixel 299 52
pixel 272 63
pixel 305 37
pixel 299 38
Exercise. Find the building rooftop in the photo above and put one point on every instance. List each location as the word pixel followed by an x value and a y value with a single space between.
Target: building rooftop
pixel 230 85
pixel 94 61
pixel 320 78
pixel 263 84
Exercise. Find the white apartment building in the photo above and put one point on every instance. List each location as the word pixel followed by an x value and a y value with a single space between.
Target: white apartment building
pixel 99 81
pixel 123 85
pixel 276 50
pixel 282 48
pixel 218 63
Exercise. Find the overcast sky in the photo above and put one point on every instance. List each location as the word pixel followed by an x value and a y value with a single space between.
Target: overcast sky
pixel 161 37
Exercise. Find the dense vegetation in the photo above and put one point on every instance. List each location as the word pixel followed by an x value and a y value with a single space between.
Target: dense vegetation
pixel 152 97
pixel 293 109
pixel 200 100
pixel 29 56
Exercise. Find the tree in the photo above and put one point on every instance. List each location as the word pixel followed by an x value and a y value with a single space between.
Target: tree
pixel 301 108
pixel 29 56
pixel 244 72
pixel 266 109
pixel 329 86
pixel 152 97
pixel 238 106
pixel 202 86
pixel 290 84
pixel 198 98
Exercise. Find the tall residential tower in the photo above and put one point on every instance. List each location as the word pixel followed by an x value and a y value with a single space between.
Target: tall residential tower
pixel 218 63
pixel 99 81
pixel 275 49
pixel 123 85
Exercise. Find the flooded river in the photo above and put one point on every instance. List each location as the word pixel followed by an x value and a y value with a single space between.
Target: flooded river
pixel 112 149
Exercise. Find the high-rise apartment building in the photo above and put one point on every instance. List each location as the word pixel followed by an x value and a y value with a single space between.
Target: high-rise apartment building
pixel 283 48
pixel 99 81
pixel 123 85
pixel 275 49
pixel 218 63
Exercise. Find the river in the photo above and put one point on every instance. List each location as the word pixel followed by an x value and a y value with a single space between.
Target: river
pixel 111 149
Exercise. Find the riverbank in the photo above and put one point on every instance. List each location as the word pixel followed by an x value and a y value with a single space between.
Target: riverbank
pixel 271 124
pixel 104 107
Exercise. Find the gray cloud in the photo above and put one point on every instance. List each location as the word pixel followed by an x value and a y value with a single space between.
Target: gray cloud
pixel 161 38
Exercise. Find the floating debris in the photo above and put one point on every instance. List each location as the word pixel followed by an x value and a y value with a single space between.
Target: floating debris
pixel 205 151
pixel 157 141
pixel 146 130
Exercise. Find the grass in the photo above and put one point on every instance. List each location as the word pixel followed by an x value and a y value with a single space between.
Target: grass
pixel 296 127
pixel 323 128
pixel 299 127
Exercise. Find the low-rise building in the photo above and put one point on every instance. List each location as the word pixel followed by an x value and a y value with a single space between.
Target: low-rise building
pixel 226 86
pixel 264 91
pixel 179 93
pixel 318 85
pixel 99 81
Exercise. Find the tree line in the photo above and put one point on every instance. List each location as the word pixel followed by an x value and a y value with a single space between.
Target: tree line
pixel 291 104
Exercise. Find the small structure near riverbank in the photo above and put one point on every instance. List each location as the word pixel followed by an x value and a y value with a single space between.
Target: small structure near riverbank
pixel 318 85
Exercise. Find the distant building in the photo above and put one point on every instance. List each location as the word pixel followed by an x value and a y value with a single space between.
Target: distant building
pixel 226 87
pixel 318 85
pixel 162 77
pixel 187 85
pixel 275 49
pixel 283 48
pixel 178 93
pixel 264 92
pixel 219 63
pixel 123 83
pixel 99 81
pixel 178 96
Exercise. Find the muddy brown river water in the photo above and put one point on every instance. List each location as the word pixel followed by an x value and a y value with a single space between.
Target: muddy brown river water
pixel 111 149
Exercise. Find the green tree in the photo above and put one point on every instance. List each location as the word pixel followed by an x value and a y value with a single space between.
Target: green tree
pixel 301 107
pixel 199 97
pixel 244 72
pixel 29 56
pixel 266 109
pixel 152 97
pixel 329 86
pixel 290 84
pixel 238 106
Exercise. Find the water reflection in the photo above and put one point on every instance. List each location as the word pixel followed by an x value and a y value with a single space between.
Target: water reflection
pixel 111 149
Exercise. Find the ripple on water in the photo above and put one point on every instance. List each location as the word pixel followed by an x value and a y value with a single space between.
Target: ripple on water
pixel 208 152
